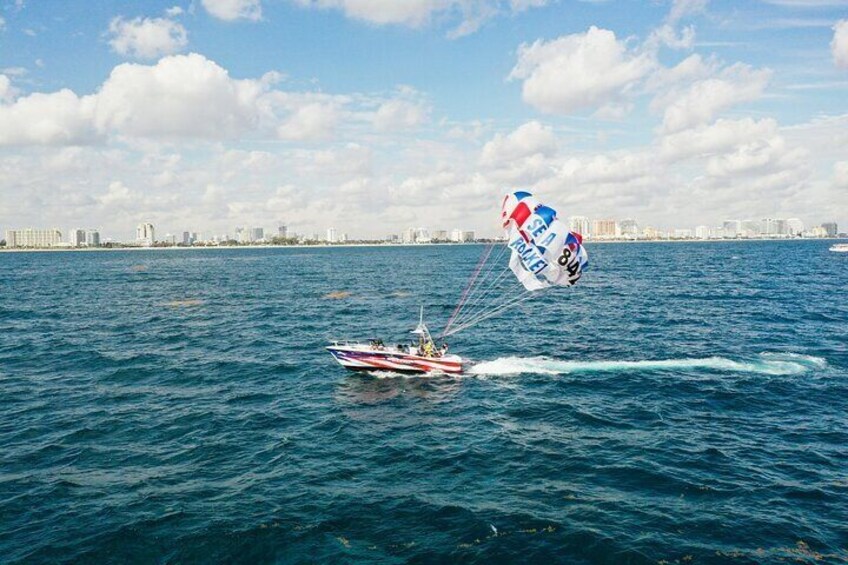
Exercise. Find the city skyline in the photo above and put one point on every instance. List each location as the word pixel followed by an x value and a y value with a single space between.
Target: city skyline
pixel 592 229
pixel 682 112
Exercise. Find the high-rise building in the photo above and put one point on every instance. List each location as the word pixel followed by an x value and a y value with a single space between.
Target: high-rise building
pixel 145 235
pixel 282 231
pixel 343 238
pixel 682 233
pixel 750 228
pixel 629 228
pixel 439 235
pixel 409 235
pixel 456 235
pixel 579 224
pixel 830 228
pixel 650 232
pixel 702 232
pixel 731 228
pixel 467 236
pixel 186 238
pixel 772 227
pixel 257 234
pixel 794 226
pixel 604 229
pixel 331 235
pixel 92 238
pixel 76 237
pixel 422 235
pixel 30 237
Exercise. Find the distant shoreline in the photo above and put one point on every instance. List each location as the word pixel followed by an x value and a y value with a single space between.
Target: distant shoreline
pixel 342 245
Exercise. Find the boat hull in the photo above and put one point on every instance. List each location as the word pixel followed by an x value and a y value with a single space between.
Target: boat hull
pixel 364 358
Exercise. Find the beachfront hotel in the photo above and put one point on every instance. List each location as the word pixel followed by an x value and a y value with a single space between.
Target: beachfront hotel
pixel 30 237
pixel 145 235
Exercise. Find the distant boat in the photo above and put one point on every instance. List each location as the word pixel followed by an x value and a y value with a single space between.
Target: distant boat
pixel 839 247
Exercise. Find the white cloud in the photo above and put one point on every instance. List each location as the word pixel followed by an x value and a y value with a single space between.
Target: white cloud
pixel 14 71
pixel 117 194
pixel 55 118
pixel 147 38
pixel 717 138
pixel 174 11
pixel 409 12
pixel 699 102
pixel 311 122
pixel 683 8
pixel 180 96
pixel 399 113
pixel 668 36
pixel 765 155
pixel 2 24
pixel 839 45
pixel 573 72
pixel 191 97
pixel 229 10
pixel 531 138
pixel 7 91
pixel 417 13
pixel 840 174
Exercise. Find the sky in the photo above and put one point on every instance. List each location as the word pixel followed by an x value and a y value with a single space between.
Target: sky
pixel 372 116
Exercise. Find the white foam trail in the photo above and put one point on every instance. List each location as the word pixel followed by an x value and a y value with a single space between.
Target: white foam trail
pixel 764 364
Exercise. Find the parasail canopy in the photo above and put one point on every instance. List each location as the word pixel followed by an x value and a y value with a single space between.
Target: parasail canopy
pixel 544 253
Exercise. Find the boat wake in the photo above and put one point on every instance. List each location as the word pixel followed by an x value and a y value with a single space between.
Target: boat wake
pixel 763 364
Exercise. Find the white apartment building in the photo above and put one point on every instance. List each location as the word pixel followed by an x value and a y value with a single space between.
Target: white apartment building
pixel 794 226
pixel 30 237
pixel 604 229
pixel 92 238
pixel 579 224
pixel 76 237
pixel 332 237
pixel 145 235
pixel 628 228
pixel 731 228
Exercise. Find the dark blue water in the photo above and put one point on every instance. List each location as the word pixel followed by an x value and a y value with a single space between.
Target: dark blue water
pixel 685 402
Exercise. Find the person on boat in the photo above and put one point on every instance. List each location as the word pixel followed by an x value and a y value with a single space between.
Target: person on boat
pixel 429 350
pixel 444 350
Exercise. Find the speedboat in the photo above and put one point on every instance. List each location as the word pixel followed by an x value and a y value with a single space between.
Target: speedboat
pixel 839 247
pixel 419 357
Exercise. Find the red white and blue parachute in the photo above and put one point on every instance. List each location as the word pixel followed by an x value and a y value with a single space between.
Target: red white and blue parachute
pixel 544 253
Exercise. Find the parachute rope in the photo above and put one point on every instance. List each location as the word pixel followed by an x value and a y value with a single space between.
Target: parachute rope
pixel 463 298
pixel 485 315
pixel 487 289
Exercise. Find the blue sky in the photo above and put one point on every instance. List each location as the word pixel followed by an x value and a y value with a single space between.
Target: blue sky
pixel 374 115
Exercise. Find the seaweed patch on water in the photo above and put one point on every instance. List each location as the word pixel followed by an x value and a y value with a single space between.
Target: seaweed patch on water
pixel 337 295
pixel 187 303
pixel 549 529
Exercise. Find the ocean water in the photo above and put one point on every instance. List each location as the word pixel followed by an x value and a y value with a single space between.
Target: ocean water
pixel 685 403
